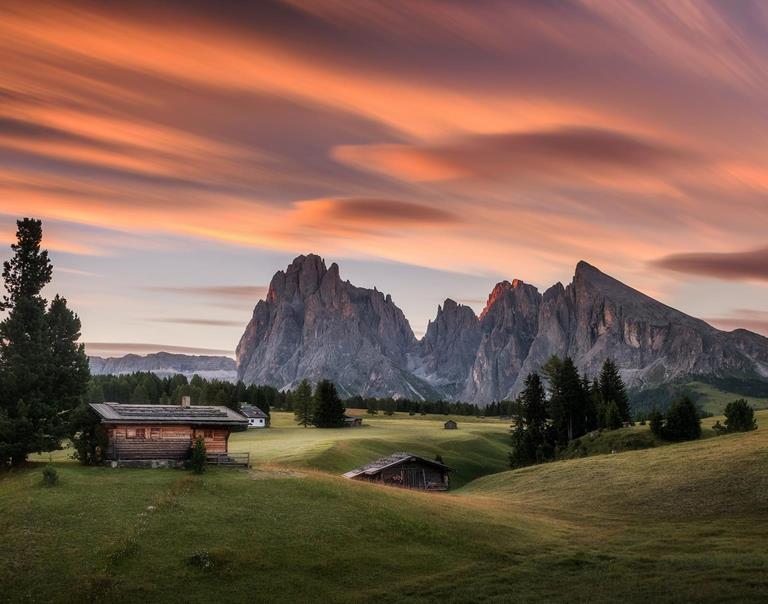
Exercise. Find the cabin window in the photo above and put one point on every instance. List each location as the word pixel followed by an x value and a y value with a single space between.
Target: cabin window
pixel 140 433
pixel 154 433
pixel 208 433
pixel 135 433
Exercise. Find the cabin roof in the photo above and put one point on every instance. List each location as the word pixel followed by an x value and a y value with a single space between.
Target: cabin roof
pixel 253 411
pixel 197 415
pixel 392 460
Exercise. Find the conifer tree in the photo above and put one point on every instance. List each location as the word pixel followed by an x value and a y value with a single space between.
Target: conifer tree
pixel 532 438
pixel 328 408
pixel 612 389
pixel 303 404
pixel 43 370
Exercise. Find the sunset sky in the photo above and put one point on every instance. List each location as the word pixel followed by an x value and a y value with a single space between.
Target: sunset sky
pixel 179 153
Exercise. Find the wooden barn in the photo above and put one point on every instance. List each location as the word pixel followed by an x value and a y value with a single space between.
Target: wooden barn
pixel 450 425
pixel 405 470
pixel 165 432
pixel 256 417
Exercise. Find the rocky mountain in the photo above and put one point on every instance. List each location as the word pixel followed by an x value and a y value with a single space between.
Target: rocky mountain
pixel 314 325
pixel 165 364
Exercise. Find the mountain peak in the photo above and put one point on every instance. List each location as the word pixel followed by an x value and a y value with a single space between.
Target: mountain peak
pixel 585 268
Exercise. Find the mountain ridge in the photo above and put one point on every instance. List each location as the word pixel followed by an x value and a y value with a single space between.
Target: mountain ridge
pixel 313 325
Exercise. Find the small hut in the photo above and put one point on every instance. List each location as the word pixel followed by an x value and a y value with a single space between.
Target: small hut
pixel 256 417
pixel 352 421
pixel 450 425
pixel 405 470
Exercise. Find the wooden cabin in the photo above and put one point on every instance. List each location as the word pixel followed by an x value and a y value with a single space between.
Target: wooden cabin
pixel 165 432
pixel 450 425
pixel 353 421
pixel 255 416
pixel 405 470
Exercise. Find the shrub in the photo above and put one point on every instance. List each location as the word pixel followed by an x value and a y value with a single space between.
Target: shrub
pixel 683 421
pixel 197 460
pixel 739 417
pixel 50 476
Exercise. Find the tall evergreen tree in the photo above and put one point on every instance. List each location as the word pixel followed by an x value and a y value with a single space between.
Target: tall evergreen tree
pixel 612 389
pixel 568 400
pixel 43 370
pixel 303 404
pixel 532 438
pixel 329 410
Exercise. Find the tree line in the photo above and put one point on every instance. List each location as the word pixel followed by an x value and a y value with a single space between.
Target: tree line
pixel 148 388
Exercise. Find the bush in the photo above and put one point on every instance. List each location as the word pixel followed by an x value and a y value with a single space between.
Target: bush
pixel 683 421
pixel 197 460
pixel 739 417
pixel 50 476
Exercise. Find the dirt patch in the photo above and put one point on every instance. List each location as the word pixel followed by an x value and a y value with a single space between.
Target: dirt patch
pixel 263 474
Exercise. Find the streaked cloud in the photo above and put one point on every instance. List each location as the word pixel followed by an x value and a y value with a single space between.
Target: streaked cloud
pixel 720 265
pixel 742 318
pixel 237 292
pixel 484 137
pixel 199 322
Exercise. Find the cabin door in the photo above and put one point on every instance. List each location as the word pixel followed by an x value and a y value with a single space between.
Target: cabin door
pixel 413 478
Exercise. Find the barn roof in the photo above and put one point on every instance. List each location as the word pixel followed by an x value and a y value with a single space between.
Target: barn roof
pixel 392 460
pixel 253 411
pixel 200 415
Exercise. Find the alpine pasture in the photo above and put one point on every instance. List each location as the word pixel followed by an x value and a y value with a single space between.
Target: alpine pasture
pixel 680 522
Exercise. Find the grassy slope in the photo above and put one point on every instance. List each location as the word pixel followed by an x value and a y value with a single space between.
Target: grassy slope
pixel 673 523
pixel 714 400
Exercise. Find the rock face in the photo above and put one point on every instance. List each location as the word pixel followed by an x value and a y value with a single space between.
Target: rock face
pixel 165 364
pixel 448 348
pixel 314 325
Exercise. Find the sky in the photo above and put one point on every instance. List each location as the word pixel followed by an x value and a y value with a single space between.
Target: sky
pixel 179 153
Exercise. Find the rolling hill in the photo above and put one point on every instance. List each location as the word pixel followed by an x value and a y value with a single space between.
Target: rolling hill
pixel 683 522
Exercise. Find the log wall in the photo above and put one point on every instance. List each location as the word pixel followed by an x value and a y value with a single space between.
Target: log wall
pixel 162 442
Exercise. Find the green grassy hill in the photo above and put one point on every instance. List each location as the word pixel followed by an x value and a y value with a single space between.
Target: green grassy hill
pixel 684 522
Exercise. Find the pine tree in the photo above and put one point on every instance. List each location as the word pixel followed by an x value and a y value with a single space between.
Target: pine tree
pixel 303 404
pixel 329 410
pixel 612 389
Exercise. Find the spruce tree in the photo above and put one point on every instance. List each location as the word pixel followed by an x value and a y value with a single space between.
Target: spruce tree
pixel 303 404
pixel 532 439
pixel 43 370
pixel 329 410
pixel 612 389
pixel 568 399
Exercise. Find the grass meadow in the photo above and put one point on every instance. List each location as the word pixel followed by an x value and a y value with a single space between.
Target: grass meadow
pixel 673 523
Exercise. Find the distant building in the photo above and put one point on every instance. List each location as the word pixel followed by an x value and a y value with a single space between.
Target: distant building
pixel 256 417
pixel 405 470
pixel 165 432
pixel 350 421
pixel 450 425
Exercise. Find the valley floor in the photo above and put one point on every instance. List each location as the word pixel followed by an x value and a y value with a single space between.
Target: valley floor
pixel 685 522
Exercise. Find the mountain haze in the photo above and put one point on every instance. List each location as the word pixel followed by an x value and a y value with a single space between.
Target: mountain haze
pixel 314 325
